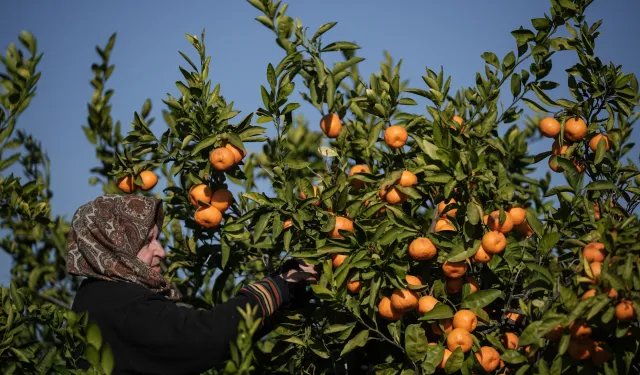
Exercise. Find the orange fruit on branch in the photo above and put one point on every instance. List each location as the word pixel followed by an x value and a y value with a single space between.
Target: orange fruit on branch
pixel 596 269
pixel 594 252
pixel 515 317
pixel 447 354
pixel 549 127
pixel 554 165
pixel 395 136
pixel 407 179
pixel 557 150
pixel 238 154
pixel 342 223
pixel 510 340
pixel 386 310
pixel 126 184
pixel 149 180
pixel 287 224
pixel 625 311
pixel 358 168
pixel 454 269
pixel 200 192
pixel 404 300
pixel 488 357
pixel 422 249
pixel 473 283
pixel 315 194
pixel 580 329
pixel 447 324
pixel 580 349
pixel 482 256
pixel 413 280
pixel 459 120
pixel 518 215
pixel 589 293
pixel 494 242
pixel 337 260
pixel 575 129
pixel 221 199
pixel 208 217
pixel 524 229
pixel 453 285
pixel 443 225
pixel 221 159
pixel 459 337
pixel 452 211
pixel 354 286
pixel 495 224
pixel 331 125
pixel 426 304
pixel 593 143
pixel 466 320
pixel 395 196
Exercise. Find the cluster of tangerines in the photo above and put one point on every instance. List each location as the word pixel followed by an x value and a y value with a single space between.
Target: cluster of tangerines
pixel 210 205
pixel 127 185
pixel 575 129
pixel 458 329
pixel 581 345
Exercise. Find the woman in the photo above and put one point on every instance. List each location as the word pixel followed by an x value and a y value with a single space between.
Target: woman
pixel 113 242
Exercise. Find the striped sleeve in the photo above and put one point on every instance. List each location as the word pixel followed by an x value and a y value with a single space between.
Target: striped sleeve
pixel 269 294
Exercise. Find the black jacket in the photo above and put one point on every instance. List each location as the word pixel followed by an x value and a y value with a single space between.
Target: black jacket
pixel 150 334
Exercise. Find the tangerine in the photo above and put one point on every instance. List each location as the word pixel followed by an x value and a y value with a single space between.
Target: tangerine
pixel 221 159
pixel 395 136
pixel 422 249
pixel 331 125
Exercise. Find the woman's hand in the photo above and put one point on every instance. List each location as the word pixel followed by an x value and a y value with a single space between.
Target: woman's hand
pixel 301 272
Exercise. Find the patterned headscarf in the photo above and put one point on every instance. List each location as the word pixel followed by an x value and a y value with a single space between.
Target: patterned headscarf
pixel 107 234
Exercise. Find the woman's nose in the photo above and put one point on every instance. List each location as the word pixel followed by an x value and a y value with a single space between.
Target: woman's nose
pixel 160 252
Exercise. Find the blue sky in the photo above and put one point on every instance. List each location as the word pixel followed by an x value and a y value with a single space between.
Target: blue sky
pixel 452 34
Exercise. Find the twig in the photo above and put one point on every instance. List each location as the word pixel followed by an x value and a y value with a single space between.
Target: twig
pixel 55 301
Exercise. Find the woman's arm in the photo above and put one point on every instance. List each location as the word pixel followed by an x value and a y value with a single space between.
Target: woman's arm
pixel 178 340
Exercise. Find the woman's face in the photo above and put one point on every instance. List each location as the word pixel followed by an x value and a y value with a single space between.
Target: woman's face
pixel 152 253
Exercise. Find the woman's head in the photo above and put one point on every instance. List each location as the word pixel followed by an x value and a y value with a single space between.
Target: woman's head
pixel 115 237
pixel 152 253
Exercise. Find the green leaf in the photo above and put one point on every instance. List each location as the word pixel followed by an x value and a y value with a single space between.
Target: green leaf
pixel 439 311
pixel 323 29
pixel 512 356
pixel 415 342
pixel 535 223
pixel 600 185
pixel 544 98
pixel 358 341
pixel 530 334
pixel 481 298
pixel 535 106
pixel 261 224
pixel 271 76
pixel 491 59
pixel 106 359
pixel 322 292
pixel 340 46
pixel 207 142
pixel 94 336
pixel 474 213
pixel 548 242
pixel 516 85
pixel 259 198
pixel 454 363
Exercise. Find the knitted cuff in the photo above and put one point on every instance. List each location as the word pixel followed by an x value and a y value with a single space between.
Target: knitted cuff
pixel 269 293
